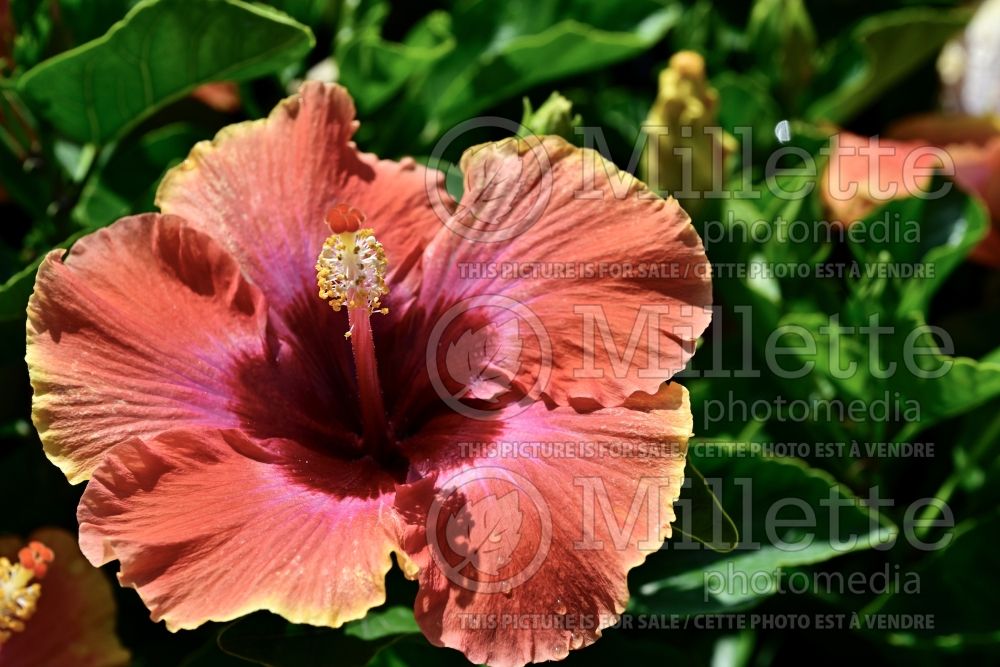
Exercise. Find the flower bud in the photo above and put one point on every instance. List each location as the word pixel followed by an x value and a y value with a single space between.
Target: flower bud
pixel 685 149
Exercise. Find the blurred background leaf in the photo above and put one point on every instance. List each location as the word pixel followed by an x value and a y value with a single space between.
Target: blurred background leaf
pixel 879 52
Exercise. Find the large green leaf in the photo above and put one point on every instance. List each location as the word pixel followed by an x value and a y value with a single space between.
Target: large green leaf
pixel 382 623
pixel 531 43
pixel 932 236
pixel 374 69
pixel 878 53
pixel 964 383
pixel 452 67
pixel 89 19
pixel 756 491
pixel 159 52
pixel 956 591
pixel 929 234
pixel 266 639
pixel 701 516
pixel 310 12
pixel 901 366
pixel 127 183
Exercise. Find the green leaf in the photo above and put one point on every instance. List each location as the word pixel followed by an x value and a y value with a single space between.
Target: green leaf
pixel 14 293
pixel 758 492
pixel 955 585
pixel 383 623
pixel 532 43
pixel 878 53
pixel 964 384
pixel 735 650
pixel 919 381
pixel 266 639
pixel 89 19
pixel 309 12
pixel 158 53
pixel 127 183
pixel 930 234
pixel 375 69
pixel 707 522
pixel 450 68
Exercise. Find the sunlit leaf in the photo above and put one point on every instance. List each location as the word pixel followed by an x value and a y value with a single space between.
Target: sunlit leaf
pixel 127 183
pixel 266 639
pixel 94 93
pixel 757 491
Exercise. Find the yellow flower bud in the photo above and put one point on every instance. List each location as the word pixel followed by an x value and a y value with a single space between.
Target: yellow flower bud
pixel 685 149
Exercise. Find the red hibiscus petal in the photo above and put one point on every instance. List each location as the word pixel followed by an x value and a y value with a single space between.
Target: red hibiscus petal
pixel 977 171
pixel 968 145
pixel 139 328
pixel 211 525
pixel 74 623
pixel 973 144
pixel 262 188
pixel 867 172
pixel 149 325
pixel 613 279
pixel 524 553
pixel 943 129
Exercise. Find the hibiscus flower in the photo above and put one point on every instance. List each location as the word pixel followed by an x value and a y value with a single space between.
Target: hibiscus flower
pixel 865 173
pixel 314 361
pixel 973 147
pixel 55 609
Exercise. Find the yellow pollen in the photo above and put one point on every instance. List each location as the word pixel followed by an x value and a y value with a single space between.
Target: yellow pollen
pixel 350 271
pixel 18 597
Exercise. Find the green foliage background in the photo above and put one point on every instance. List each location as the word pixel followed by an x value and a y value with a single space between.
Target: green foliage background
pixel 85 135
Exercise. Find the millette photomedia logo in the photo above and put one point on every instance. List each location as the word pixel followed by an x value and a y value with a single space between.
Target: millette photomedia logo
pixel 489 530
pixel 489 357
